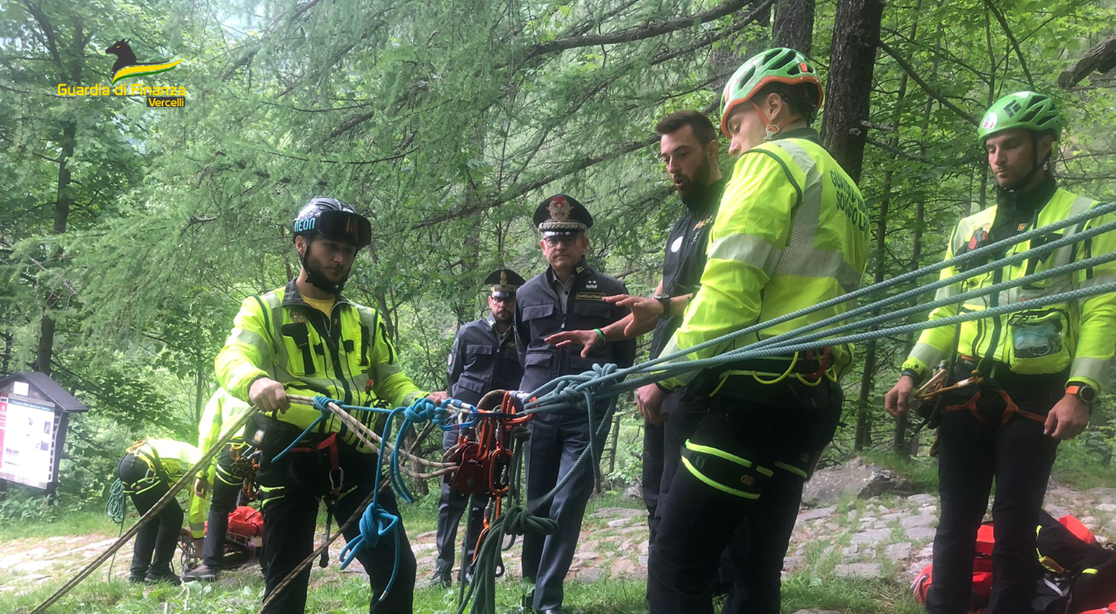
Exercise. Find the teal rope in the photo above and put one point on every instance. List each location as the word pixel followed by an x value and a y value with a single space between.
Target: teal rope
pixel 550 394
pixel 982 252
pixel 116 506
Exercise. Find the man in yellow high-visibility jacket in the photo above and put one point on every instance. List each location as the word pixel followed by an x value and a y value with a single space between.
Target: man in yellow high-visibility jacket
pixel 147 472
pixel 307 339
pixel 1032 374
pixel 791 232
pixel 219 484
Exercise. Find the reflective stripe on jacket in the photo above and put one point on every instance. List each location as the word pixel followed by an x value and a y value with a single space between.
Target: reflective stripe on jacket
pixel 348 357
pixel 1078 335
pixel 174 459
pixel 791 232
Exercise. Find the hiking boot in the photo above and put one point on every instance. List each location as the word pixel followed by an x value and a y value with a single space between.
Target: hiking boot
pixel 201 573
pixel 441 579
pixel 154 577
pixel 135 578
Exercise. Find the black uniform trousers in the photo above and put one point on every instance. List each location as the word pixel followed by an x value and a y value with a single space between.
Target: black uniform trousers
pixel 222 502
pixel 291 489
pixel 970 454
pixel 662 452
pixel 765 425
pixel 451 507
pixel 558 439
pixel 156 540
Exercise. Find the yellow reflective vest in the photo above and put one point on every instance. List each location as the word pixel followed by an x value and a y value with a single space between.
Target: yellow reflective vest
pixel 1078 335
pixel 791 232
pixel 175 458
pixel 348 357
pixel 222 410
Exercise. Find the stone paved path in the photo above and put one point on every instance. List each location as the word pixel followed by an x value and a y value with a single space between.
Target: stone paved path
pixel 878 537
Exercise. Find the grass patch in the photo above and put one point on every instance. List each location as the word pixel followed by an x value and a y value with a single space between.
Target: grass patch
pixel 920 471
pixel 1084 463
pixel 78 522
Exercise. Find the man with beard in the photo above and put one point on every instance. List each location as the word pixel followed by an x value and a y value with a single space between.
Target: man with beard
pixel 791 232
pixel 484 357
pixel 689 148
pixel 1025 380
pixel 567 296
pixel 307 339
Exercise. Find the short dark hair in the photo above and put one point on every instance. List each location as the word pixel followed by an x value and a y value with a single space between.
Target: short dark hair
pixel 697 121
pixel 802 98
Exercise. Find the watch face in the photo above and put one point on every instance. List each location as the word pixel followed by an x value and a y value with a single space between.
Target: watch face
pixel 1087 394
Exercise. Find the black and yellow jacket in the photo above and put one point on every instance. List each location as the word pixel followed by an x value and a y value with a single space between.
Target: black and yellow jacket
pixel 347 356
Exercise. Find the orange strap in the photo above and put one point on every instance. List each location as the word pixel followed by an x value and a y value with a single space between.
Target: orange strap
pixel 1012 409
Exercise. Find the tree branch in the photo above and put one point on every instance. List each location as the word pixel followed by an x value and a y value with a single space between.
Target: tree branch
pixel 1011 37
pixel 926 86
pixel 1101 58
pixel 633 34
pixel 48 34
pixel 896 150
pixel 516 192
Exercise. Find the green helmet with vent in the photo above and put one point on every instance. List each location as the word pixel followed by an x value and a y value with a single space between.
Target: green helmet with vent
pixel 777 65
pixel 1029 110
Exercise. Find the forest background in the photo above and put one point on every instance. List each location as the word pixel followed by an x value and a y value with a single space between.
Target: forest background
pixel 129 235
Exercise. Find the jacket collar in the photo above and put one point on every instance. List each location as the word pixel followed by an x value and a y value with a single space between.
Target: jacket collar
pixel 292 297
pixel 580 271
pixel 807 133
pixel 1030 201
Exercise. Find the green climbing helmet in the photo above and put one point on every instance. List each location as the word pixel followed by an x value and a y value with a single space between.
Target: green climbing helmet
pixel 1030 110
pixel 777 65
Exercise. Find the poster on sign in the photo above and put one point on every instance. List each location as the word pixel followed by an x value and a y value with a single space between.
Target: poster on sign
pixel 27 436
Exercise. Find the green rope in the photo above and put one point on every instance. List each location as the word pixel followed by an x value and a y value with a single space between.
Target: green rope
pixel 116 506
pixel 515 520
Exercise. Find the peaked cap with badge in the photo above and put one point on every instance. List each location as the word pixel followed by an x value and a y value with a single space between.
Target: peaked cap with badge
pixel 503 283
pixel 562 215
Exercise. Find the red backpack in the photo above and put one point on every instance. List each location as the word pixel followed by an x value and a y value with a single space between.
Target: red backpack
pixel 1079 575
pixel 246 521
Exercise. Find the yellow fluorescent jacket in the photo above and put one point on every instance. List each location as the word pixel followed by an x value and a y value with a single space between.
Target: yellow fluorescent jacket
pixel 273 337
pixel 176 459
pixel 220 412
pixel 791 232
pixel 1086 330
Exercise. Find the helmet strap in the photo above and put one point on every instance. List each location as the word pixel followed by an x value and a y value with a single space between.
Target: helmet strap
pixel 771 129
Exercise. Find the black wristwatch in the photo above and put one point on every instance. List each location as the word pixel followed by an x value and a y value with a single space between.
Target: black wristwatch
pixel 664 300
pixel 1085 392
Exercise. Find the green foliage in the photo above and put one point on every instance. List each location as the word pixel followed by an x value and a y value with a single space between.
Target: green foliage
pixel 446 127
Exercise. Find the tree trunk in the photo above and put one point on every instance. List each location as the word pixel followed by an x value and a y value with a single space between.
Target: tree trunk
pixel 793 25
pixel 848 93
pixel 868 375
pixel 62 202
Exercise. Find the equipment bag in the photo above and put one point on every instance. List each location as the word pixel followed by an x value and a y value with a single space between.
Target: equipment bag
pixel 1079 575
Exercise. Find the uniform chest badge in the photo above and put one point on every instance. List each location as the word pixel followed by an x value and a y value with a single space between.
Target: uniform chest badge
pixel 591 284
pixel 298 317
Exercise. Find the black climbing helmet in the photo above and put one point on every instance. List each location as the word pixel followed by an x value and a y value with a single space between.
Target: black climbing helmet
pixel 334 220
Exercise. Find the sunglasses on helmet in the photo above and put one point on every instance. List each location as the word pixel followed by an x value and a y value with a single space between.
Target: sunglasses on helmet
pixel 339 226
